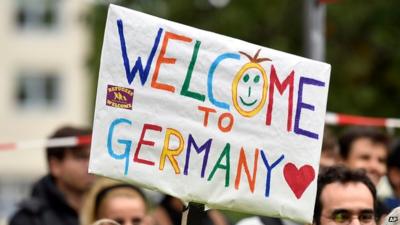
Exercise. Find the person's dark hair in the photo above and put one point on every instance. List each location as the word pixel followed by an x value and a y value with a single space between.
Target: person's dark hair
pixel 341 175
pixel 67 131
pixel 393 161
pixel 394 156
pixel 354 133
pixel 329 141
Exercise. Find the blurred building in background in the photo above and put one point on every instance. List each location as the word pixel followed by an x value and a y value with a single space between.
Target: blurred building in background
pixel 44 84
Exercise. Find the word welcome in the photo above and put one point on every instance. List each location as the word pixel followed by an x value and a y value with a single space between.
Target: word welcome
pixel 244 107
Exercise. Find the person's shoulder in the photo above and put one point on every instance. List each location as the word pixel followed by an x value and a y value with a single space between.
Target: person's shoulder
pixel 23 215
pixel 20 218
pixel 27 210
pixel 255 220
pixel 32 205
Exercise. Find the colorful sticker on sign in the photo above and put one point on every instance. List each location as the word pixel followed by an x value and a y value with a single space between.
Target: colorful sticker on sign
pixel 119 97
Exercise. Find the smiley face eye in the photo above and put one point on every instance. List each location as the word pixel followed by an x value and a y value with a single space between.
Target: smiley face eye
pixel 256 79
pixel 246 78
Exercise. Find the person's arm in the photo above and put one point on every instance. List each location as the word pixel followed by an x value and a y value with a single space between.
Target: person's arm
pixel 217 217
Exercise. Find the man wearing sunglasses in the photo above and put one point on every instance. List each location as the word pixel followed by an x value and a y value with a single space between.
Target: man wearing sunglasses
pixel 344 197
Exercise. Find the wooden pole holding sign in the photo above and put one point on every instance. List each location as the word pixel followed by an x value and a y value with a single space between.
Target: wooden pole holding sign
pixel 193 214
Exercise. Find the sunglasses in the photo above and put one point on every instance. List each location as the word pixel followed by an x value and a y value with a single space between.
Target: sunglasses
pixel 345 217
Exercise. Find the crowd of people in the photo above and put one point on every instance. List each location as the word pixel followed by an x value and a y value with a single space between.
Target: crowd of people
pixel 351 169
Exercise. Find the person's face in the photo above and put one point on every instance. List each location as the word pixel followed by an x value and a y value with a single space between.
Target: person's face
pixel 370 156
pixel 344 204
pixel 124 210
pixel 72 171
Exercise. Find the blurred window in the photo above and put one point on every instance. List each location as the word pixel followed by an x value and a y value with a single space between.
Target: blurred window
pixel 38 90
pixel 37 14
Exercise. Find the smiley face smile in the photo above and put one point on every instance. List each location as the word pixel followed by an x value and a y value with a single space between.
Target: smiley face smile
pixel 249 87
pixel 247 104
pixel 246 79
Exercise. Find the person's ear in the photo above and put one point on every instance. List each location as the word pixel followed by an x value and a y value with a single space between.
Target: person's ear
pixel 55 167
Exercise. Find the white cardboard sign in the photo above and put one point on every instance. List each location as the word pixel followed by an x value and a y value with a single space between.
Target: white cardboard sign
pixel 208 118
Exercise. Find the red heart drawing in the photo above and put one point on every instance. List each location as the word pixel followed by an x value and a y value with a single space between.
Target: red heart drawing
pixel 298 179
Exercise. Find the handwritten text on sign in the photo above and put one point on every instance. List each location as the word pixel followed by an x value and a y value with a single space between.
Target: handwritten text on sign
pixel 208 118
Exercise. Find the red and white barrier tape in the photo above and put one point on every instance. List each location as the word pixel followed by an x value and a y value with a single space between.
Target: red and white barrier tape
pixel 48 143
pixel 345 119
pixel 330 119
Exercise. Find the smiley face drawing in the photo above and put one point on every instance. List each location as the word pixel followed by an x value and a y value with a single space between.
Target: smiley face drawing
pixel 249 87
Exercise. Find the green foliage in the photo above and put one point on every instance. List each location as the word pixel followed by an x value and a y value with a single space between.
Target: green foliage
pixel 362 43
